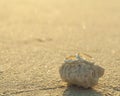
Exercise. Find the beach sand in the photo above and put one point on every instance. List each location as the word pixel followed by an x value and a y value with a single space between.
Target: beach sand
pixel 36 36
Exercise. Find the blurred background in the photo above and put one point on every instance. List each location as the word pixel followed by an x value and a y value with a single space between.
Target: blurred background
pixel 64 19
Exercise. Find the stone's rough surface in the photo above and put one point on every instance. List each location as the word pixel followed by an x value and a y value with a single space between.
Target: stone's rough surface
pixel 80 70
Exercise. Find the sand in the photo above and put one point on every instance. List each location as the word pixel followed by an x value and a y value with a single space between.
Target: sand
pixel 36 36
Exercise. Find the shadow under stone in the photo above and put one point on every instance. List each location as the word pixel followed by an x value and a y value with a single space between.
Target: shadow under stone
pixel 77 91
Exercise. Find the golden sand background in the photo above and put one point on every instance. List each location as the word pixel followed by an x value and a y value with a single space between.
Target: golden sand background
pixel 36 35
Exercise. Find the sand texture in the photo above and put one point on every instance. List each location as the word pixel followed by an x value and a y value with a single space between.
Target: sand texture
pixel 36 36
